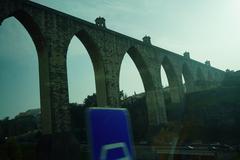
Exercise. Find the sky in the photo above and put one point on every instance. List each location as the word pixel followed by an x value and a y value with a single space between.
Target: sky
pixel 208 29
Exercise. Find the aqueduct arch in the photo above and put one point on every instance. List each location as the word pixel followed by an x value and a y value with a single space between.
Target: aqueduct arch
pixel 142 68
pixel 32 27
pixel 97 62
pixel 39 42
pixel 150 88
pixel 173 80
pixel 188 76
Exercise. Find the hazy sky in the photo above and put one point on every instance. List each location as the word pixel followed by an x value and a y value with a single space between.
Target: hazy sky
pixel 208 29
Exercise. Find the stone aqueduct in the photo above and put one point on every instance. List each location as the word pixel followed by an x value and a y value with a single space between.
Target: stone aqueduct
pixel 52 31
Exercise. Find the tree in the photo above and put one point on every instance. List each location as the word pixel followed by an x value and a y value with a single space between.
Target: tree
pixel 91 101
pixel 122 95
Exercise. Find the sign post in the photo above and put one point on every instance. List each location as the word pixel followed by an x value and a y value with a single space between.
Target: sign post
pixel 109 134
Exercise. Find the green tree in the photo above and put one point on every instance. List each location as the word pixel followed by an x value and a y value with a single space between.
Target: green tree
pixel 90 101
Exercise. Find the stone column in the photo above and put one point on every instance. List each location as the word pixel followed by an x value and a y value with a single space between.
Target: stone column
pixel 59 88
pixel 45 99
pixel 108 77
pixel 61 143
pixel 176 89
pixel 156 108
pixel 175 94
pixel 111 83
pixel 54 90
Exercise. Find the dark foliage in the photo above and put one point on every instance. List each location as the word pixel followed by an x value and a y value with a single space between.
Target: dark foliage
pixel 232 79
pixel 77 112
pixel 91 101
pixel 213 115
pixel 17 126
pixel 138 114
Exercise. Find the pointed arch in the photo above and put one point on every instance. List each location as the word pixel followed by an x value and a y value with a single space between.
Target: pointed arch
pixel 97 62
pixel 19 76
pixel 80 72
pixel 91 47
pixel 141 67
pixel 174 81
pixel 130 81
pixel 188 76
pixel 32 27
pixel 163 78
pixel 39 41
pixel 170 72
pixel 155 107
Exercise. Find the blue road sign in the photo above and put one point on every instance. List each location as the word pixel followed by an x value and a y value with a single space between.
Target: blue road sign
pixel 109 134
